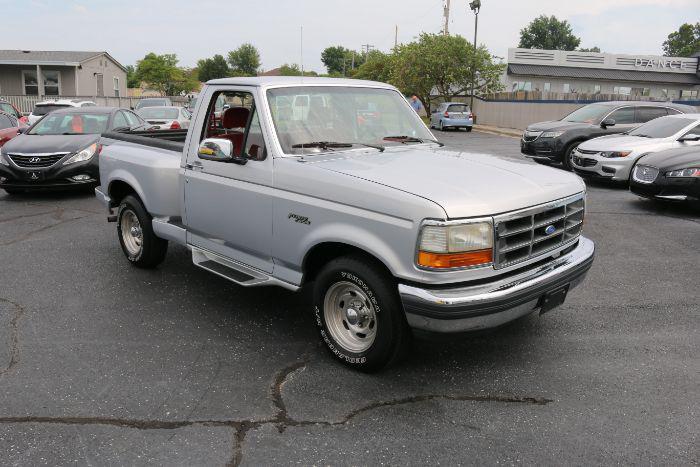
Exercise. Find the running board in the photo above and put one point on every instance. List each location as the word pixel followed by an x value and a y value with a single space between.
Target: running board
pixel 234 271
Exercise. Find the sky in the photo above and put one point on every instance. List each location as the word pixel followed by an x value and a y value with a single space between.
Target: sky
pixel 128 29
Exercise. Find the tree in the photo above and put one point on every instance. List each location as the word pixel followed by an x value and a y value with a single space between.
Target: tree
pixel 334 59
pixel 132 79
pixel 159 72
pixel 245 60
pixel 591 49
pixel 548 33
pixel 290 70
pixel 443 65
pixel 683 43
pixel 213 68
pixel 376 68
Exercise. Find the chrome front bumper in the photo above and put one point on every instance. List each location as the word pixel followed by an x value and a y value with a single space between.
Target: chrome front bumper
pixel 489 305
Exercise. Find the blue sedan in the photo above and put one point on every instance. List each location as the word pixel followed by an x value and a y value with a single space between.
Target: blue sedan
pixel 452 115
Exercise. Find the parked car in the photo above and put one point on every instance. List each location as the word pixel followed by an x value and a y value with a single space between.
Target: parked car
pixel 45 107
pixel 60 151
pixel 153 102
pixel 613 157
pixel 9 127
pixel 452 115
pixel 389 230
pixel 173 118
pixel 555 141
pixel 671 175
pixel 14 111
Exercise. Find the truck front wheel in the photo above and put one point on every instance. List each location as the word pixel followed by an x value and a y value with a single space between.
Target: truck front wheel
pixel 359 314
pixel 136 237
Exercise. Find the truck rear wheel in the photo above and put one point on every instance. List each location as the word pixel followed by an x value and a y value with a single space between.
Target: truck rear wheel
pixel 139 244
pixel 359 314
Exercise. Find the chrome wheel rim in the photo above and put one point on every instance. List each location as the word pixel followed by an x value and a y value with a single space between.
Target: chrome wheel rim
pixel 131 231
pixel 350 317
pixel 571 156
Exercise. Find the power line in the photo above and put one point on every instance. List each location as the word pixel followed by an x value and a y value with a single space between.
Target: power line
pixel 366 49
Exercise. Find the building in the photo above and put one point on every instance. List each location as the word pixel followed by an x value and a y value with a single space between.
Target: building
pixel 54 73
pixel 559 72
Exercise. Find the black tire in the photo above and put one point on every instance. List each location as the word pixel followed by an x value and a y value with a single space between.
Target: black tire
pixel 13 191
pixel 152 249
pixel 441 127
pixel 569 154
pixel 391 332
pixel 469 129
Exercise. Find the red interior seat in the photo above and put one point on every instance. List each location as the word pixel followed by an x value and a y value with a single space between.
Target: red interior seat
pixel 235 118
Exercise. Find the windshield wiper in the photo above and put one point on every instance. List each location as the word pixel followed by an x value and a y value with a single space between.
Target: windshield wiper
pixel 641 135
pixel 403 139
pixel 335 144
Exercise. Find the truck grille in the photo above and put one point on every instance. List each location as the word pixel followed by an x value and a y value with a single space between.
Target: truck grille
pixel 531 135
pixel 532 232
pixel 29 160
pixel 645 174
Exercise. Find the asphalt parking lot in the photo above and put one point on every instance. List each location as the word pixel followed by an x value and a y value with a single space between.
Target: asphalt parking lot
pixel 101 363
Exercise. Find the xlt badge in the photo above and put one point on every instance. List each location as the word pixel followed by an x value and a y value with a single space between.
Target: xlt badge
pixel 299 219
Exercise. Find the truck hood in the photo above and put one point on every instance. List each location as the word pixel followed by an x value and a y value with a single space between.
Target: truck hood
pixel 621 142
pixel 463 184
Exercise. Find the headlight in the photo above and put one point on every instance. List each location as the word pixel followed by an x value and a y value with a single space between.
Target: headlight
pixel 448 246
pixel 552 134
pixel 690 172
pixel 84 155
pixel 610 154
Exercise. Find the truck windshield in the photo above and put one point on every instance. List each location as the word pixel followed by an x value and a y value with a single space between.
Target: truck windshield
pixel 342 117
pixel 588 114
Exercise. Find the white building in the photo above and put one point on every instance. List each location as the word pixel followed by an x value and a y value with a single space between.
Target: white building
pixel 570 72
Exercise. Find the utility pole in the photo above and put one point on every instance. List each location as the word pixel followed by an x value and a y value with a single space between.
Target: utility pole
pixel 367 48
pixel 446 13
pixel 475 6
pixel 396 36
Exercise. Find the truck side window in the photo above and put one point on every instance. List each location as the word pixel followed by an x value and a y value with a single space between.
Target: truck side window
pixel 255 142
pixel 228 114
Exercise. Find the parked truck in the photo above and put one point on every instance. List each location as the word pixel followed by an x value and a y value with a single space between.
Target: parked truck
pixel 392 233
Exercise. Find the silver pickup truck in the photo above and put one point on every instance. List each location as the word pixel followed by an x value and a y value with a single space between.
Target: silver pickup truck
pixel 339 186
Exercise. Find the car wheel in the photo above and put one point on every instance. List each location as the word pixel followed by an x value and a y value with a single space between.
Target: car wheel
pixel 468 129
pixel 139 244
pixel 441 127
pixel 569 155
pixel 359 314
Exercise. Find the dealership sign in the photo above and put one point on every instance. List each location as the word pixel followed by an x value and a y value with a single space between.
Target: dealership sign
pixel 659 63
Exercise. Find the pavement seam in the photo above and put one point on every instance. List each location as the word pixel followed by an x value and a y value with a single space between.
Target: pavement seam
pixel 14 335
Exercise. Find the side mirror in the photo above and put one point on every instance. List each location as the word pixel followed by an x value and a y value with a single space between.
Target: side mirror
pixel 219 150
pixel 607 122
pixel 689 137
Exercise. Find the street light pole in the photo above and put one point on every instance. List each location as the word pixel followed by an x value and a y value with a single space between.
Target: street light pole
pixel 475 6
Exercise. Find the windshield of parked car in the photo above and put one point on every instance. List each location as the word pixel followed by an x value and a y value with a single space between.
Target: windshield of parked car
pixel 592 113
pixel 71 124
pixel 458 108
pixel 159 113
pixel 662 127
pixel 46 108
pixel 329 118
pixel 7 108
pixel 151 103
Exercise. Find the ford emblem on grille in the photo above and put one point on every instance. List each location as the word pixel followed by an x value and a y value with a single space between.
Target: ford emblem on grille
pixel 550 229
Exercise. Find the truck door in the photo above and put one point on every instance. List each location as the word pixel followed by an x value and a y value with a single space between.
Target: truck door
pixel 228 205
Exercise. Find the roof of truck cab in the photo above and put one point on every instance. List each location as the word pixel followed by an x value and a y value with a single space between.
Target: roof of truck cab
pixel 273 81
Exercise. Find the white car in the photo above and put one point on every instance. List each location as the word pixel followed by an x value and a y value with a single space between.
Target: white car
pixel 166 117
pixel 613 157
pixel 44 107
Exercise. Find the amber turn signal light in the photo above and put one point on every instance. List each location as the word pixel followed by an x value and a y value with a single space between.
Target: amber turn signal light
pixel 454 260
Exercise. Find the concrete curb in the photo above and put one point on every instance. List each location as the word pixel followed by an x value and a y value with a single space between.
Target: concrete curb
pixel 494 130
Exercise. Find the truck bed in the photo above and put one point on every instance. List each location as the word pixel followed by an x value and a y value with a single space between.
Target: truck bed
pixel 173 140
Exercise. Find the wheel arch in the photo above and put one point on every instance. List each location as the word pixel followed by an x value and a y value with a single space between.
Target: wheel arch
pixel 321 253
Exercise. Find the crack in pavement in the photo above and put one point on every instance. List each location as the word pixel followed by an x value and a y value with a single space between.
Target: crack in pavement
pixel 27 235
pixel 14 335
pixel 281 420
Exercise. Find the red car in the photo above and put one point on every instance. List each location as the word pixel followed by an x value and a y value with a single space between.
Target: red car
pixel 9 127
pixel 14 111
